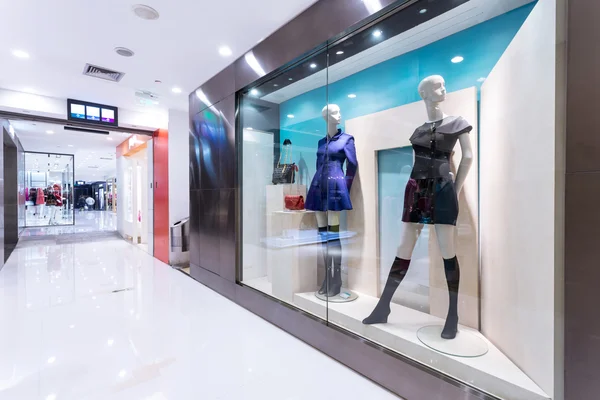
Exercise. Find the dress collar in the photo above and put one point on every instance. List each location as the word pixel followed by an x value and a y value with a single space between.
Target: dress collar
pixel 335 137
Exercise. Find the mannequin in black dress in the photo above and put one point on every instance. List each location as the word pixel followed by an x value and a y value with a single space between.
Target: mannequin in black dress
pixel 431 197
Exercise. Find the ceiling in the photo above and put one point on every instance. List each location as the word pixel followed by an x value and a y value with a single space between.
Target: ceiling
pixel 180 48
pixel 459 18
pixel 95 154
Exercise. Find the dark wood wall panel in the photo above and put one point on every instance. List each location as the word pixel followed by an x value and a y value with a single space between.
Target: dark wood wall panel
pixel 582 219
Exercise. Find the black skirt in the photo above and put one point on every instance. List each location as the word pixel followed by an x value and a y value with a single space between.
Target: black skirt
pixel 430 201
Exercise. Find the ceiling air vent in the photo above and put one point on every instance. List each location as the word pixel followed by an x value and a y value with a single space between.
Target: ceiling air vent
pixel 103 73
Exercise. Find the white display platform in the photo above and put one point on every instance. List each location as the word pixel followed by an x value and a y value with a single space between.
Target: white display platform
pixel 492 372
pixel 467 343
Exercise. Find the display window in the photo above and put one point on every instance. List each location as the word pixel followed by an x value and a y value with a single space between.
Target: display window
pixel 383 178
pixel 48 189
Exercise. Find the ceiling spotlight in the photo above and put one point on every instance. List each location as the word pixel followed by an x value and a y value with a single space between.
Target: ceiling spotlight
pixel 124 51
pixel 290 115
pixel 254 92
pixel 50 132
pixel 423 11
pixel 377 33
pixel 145 12
pixel 290 79
pixel 313 65
pixel 339 53
pixel 352 96
pixel 176 90
pixel 20 54
pixel 457 59
pixel 225 51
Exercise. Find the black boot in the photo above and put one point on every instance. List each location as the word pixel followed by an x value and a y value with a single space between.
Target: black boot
pixel 334 260
pixel 380 314
pixel 323 238
pixel 452 270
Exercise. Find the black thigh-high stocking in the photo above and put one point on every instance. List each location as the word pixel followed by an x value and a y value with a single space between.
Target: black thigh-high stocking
pixel 452 270
pixel 380 314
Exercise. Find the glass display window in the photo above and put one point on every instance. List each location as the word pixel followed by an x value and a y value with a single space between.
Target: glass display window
pixel 380 179
pixel 49 189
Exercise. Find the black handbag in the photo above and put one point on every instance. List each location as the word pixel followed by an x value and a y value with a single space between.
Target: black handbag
pixel 286 172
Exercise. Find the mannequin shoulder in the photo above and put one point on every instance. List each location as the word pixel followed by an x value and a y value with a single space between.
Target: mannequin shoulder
pixel 347 137
pixel 455 125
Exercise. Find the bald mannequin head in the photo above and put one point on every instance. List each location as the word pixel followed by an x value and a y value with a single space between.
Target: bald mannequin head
pixel 433 89
pixel 331 113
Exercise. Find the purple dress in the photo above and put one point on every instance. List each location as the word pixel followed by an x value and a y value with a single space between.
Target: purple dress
pixel 330 188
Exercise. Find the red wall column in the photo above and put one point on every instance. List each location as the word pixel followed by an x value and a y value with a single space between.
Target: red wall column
pixel 161 195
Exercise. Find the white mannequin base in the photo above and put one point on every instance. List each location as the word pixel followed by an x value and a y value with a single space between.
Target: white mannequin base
pixel 345 296
pixel 467 343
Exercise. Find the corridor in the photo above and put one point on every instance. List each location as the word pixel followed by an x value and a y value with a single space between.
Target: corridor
pixel 103 320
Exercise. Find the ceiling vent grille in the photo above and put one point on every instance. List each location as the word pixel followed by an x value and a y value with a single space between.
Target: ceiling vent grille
pixel 103 73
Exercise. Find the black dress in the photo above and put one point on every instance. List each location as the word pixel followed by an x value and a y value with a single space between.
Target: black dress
pixel 430 196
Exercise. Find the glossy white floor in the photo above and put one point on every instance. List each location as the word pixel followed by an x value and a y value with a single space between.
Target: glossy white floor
pixel 66 334
pixel 85 222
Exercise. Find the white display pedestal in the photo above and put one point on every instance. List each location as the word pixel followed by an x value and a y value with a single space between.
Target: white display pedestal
pixel 291 261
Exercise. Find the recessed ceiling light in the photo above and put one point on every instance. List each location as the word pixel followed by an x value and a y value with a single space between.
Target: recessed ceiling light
pixel 457 59
pixel 70 145
pixel 225 51
pixel 290 79
pixel 377 33
pixel 51 397
pixel 20 54
pixel 423 11
pixel 51 360
pixel 176 90
pixel 352 96
pixel 109 138
pixel 482 79
pixel 124 51
pixel 145 12
pixel 254 92
pixel 50 132
pixel 290 115
pixel 313 65
pixel 275 85
pixel 339 53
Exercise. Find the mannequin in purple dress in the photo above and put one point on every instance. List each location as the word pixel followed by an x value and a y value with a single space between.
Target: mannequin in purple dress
pixel 329 193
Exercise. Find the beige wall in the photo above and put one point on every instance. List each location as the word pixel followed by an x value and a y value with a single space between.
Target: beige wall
pixel 519 213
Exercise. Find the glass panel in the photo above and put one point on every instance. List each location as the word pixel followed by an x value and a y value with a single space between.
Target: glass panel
pixel 49 189
pixel 283 203
pixel 388 142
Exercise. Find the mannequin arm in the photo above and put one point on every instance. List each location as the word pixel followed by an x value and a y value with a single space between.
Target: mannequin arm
pixel 351 162
pixel 465 162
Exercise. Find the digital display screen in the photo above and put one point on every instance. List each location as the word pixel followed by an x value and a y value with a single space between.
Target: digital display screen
pixel 92 113
pixel 78 111
pixel 108 116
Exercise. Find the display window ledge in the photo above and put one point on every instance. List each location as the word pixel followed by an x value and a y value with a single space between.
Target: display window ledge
pixel 492 372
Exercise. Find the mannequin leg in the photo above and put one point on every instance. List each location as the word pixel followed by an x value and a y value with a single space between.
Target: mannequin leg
pixel 445 235
pixel 322 224
pixel 334 254
pixel 329 225
pixel 410 235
